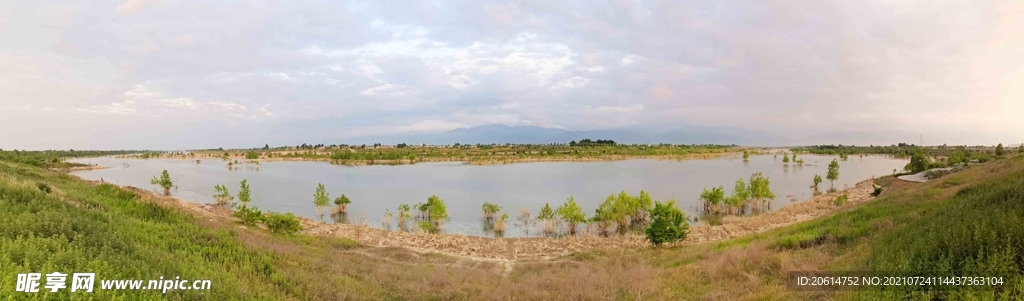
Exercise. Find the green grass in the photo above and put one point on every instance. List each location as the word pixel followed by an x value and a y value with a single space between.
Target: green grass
pixel 117 237
pixel 968 223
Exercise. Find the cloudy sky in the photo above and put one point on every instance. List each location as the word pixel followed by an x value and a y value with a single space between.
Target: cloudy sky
pixel 181 74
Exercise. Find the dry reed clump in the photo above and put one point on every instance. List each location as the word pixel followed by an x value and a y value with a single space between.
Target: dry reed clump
pixel 499 226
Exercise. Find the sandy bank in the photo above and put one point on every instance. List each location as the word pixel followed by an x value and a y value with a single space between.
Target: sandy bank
pixel 511 249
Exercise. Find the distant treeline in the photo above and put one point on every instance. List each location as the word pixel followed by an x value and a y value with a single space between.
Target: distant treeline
pixel 52 158
pixel 899 150
pixel 583 142
pixel 588 142
pixel 479 153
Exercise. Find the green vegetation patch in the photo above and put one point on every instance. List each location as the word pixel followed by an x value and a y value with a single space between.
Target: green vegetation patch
pixel 108 231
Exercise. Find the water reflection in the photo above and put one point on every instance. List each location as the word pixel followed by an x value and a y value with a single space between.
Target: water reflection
pixel 340 218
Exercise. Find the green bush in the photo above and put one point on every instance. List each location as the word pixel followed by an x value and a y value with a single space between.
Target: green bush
pixel 282 223
pixel 668 224
pixel 43 187
pixel 841 200
pixel 571 214
pixel 918 162
pixel 250 215
pixel 877 192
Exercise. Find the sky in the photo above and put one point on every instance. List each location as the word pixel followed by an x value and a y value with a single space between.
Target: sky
pixel 158 74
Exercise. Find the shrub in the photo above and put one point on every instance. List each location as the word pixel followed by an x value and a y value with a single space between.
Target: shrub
pixel 760 188
pixel 1000 150
pixel 490 209
pixel 713 198
pixel 878 190
pixel 499 225
pixel 164 182
pixel 839 201
pixel 957 156
pixel 282 223
pixel 435 213
pixel 427 226
pixel 343 201
pixel 817 180
pixel 223 197
pixel 667 224
pixel 571 214
pixel 546 212
pixel 604 215
pixel 252 155
pixel 249 215
pixel 43 187
pixel 918 162
pixel 403 214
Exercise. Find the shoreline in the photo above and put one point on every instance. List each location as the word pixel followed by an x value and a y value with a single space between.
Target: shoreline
pixel 242 160
pixel 536 248
pixel 80 168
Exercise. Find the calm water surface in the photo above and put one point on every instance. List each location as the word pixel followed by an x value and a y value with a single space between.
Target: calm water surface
pixel 289 186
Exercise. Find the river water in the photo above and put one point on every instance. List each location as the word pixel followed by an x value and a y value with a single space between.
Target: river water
pixel 289 186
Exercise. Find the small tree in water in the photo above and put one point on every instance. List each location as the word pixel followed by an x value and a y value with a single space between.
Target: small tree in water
pixel 760 188
pixel 547 218
pixel 746 156
pixel 164 181
pixel 321 199
pixel 490 209
pixel 668 224
pixel 223 197
pixel 817 180
pixel 403 214
pixel 713 198
pixel 604 215
pixel 833 173
pixel 571 214
pixel 341 204
pixel 740 195
pixel 437 212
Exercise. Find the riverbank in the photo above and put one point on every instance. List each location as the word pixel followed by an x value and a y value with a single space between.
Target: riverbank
pixel 80 168
pixel 540 248
pixel 466 160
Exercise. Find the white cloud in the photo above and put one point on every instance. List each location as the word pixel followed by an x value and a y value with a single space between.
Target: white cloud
pixel 184 103
pixel 572 82
pixel 628 59
pixel 132 6
pixel 388 90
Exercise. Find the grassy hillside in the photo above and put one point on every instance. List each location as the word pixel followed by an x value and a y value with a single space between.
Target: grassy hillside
pixel 962 224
